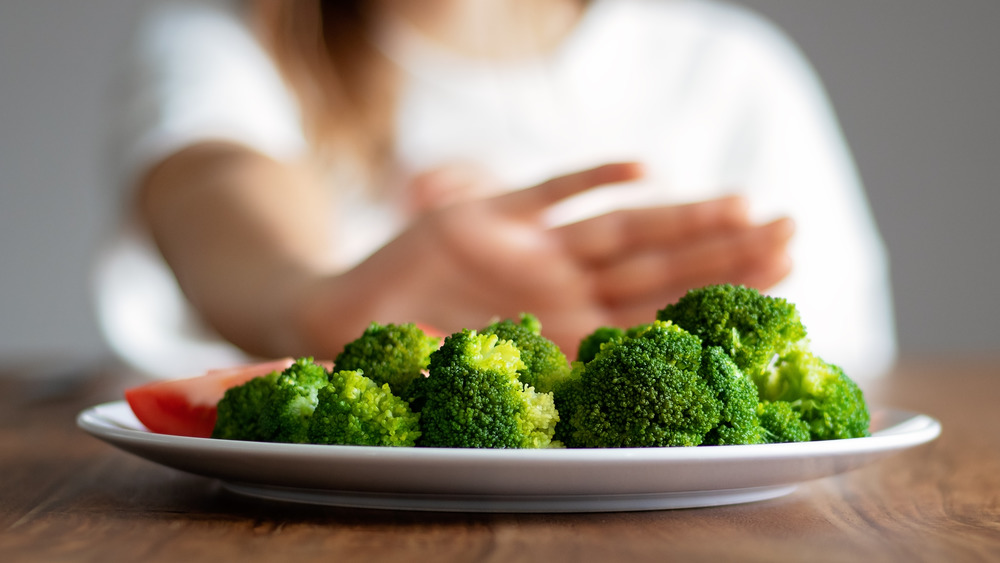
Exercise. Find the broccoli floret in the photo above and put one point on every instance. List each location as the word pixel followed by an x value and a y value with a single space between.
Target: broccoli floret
pixel 566 395
pixel 273 408
pixel 544 362
pixel 737 394
pixel 645 391
pixel 397 354
pixel 637 330
pixel 591 344
pixel 754 329
pixel 781 423
pixel 474 398
pixel 238 412
pixel 829 402
pixel 767 340
pixel 353 410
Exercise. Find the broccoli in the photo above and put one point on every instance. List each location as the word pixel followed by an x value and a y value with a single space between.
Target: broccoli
pixel 780 423
pixel 766 339
pixel 591 344
pixel 723 365
pixel 474 398
pixel 752 328
pixel 544 363
pixel 737 394
pixel 645 391
pixel 352 409
pixel 829 402
pixel 238 412
pixel 397 354
pixel 272 408
pixel 566 395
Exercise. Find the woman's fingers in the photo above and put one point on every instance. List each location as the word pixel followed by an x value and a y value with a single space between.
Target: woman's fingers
pixel 730 256
pixel 449 184
pixel 536 199
pixel 607 237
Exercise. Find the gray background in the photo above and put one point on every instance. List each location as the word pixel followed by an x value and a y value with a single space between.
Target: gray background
pixel 915 83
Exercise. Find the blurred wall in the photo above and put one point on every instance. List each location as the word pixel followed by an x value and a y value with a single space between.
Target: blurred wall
pixel 915 83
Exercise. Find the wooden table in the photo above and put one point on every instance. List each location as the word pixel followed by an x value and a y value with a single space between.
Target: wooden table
pixel 65 496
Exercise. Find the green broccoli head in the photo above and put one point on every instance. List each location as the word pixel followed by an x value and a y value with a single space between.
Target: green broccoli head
pixel 474 398
pixel 273 408
pixel 238 412
pixel 781 423
pixel 637 330
pixel 645 391
pixel 566 395
pixel 591 344
pixel 397 354
pixel 737 394
pixel 354 410
pixel 752 328
pixel 824 397
pixel 544 362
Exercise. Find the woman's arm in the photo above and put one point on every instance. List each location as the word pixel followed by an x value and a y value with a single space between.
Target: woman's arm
pixel 243 234
pixel 246 238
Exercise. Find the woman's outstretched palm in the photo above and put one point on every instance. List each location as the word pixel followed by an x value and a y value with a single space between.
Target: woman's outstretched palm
pixel 460 265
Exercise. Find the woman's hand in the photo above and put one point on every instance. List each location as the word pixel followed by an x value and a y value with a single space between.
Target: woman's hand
pixel 462 264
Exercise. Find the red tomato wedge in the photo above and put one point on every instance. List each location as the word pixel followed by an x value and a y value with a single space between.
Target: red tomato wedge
pixel 186 407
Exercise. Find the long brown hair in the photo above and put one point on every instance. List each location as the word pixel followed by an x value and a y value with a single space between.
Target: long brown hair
pixel 346 88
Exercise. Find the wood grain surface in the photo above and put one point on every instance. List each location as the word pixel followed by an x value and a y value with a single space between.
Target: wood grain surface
pixel 65 496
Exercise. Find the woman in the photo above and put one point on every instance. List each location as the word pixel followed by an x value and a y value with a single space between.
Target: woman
pixel 305 168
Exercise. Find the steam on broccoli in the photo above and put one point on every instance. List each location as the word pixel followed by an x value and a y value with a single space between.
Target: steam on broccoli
pixel 353 410
pixel 397 354
pixel 474 398
pixel 544 362
pixel 273 408
pixel 644 391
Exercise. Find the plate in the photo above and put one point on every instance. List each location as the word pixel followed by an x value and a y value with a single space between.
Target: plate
pixel 484 480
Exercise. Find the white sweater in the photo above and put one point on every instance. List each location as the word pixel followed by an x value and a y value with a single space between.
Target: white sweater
pixel 711 98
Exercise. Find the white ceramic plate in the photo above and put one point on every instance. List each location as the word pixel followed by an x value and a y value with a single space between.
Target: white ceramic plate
pixel 473 480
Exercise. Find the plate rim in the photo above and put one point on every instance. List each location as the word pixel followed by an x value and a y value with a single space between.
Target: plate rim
pixel 479 480
pixel 912 429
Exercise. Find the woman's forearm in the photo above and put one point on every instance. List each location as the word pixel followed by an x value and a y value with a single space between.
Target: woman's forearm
pixel 247 238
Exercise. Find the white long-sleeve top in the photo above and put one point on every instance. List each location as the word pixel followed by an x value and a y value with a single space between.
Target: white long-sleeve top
pixel 710 97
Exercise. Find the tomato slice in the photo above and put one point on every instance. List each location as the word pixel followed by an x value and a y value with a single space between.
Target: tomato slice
pixel 186 407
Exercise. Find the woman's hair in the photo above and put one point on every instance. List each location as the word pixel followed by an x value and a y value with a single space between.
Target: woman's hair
pixel 346 88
